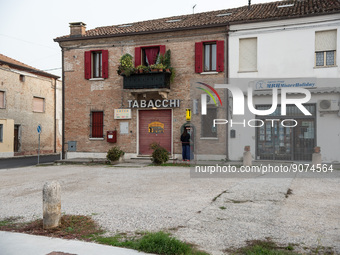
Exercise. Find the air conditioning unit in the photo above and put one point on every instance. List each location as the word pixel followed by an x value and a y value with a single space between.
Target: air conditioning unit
pixel 328 105
pixel 210 100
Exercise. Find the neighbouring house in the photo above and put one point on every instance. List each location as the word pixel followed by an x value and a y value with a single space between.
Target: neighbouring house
pixel 107 103
pixel 28 97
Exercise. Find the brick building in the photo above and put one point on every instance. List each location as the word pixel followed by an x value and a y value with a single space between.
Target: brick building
pixel 28 97
pixel 143 108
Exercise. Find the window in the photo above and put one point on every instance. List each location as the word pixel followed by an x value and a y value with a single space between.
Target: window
pixel 1 132
pixel 38 104
pixel 207 125
pixel 248 55
pixel 2 99
pixel 209 56
pixel 97 124
pixel 148 55
pixel 96 64
pixel 325 48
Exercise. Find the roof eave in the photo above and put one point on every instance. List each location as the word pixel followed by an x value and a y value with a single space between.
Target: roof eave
pixel 30 70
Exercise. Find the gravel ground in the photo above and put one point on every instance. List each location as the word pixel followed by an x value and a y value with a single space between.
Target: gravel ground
pixel 166 198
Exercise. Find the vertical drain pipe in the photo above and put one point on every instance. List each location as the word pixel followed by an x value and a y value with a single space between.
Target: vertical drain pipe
pixel 226 78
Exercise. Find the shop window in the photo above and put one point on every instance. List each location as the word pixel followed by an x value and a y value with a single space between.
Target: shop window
pixel 2 99
pixel 97 125
pixel 248 55
pixel 148 55
pixel 325 48
pixel 96 64
pixel 209 56
pixel 1 132
pixel 38 104
pixel 207 124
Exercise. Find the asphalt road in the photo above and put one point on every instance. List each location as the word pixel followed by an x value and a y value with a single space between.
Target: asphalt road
pixel 27 161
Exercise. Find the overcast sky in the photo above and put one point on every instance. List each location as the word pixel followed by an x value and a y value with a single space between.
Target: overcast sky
pixel 28 28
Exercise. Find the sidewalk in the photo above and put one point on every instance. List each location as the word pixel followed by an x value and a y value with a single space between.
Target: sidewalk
pixel 17 243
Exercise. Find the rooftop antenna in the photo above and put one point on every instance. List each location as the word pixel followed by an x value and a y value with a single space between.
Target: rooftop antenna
pixel 193 9
pixel 249 3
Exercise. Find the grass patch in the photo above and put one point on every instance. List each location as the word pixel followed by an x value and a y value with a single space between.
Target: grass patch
pixel 159 243
pixel 84 228
pixel 223 207
pixel 266 247
pixel 71 227
pixel 176 164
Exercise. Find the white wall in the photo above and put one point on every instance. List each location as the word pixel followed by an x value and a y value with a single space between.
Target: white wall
pixel 286 49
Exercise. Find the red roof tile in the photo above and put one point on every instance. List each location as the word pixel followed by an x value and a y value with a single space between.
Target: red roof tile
pixel 257 13
pixel 21 66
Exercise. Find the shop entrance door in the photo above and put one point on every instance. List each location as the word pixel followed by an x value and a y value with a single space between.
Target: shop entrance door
pixel 278 142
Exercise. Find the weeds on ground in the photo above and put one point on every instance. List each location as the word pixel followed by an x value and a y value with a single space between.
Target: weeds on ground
pixel 84 228
pixel 267 247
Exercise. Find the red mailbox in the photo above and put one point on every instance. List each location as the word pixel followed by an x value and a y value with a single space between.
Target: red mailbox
pixel 111 136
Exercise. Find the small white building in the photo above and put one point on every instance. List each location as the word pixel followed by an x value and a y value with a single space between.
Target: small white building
pixel 300 52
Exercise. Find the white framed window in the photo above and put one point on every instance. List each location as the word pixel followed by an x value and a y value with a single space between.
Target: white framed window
pixel 38 104
pixel 248 55
pixel 325 48
pixel 2 99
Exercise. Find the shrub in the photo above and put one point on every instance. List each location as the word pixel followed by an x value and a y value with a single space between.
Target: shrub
pixel 114 153
pixel 159 155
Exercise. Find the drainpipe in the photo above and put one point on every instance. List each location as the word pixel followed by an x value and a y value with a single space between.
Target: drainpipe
pixel 55 116
pixel 63 106
pixel 226 79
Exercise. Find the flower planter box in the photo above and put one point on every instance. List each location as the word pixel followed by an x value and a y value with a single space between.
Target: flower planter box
pixel 147 81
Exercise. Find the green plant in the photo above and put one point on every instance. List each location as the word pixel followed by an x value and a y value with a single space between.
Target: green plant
pixel 159 155
pixel 126 65
pixel 114 153
pixel 167 59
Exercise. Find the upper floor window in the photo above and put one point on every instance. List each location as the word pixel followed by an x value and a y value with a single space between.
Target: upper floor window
pixel 2 99
pixel 325 48
pixel 209 56
pixel 248 55
pixel 148 55
pixel 38 104
pixel 96 64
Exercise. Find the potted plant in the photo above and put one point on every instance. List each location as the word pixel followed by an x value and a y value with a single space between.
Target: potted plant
pixel 126 66
pixel 140 68
pixel 154 68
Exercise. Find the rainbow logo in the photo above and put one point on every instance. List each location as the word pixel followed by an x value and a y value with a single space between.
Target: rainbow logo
pixel 209 93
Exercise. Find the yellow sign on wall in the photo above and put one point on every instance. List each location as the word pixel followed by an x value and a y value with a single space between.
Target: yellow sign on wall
pixel 156 127
pixel 188 115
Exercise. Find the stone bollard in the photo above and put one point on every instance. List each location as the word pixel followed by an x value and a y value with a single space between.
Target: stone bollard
pixel 316 157
pixel 51 205
pixel 247 159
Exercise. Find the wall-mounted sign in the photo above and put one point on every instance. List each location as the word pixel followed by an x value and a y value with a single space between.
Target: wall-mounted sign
pixel 284 83
pixel 156 127
pixel 165 103
pixel 122 114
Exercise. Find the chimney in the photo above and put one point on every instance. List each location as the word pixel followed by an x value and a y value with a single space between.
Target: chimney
pixel 249 3
pixel 77 29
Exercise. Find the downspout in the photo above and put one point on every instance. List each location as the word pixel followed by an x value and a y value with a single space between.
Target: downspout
pixel 55 115
pixel 226 79
pixel 63 106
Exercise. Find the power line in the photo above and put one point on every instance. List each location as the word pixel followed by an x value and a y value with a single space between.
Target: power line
pixel 28 41
pixel 52 69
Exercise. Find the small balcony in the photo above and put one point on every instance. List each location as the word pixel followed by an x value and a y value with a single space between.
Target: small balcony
pixel 153 80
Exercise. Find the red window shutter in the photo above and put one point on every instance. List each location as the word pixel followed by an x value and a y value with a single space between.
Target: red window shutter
pixel 97 124
pixel 220 56
pixel 162 49
pixel 105 63
pixel 138 56
pixel 198 57
pixel 87 67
